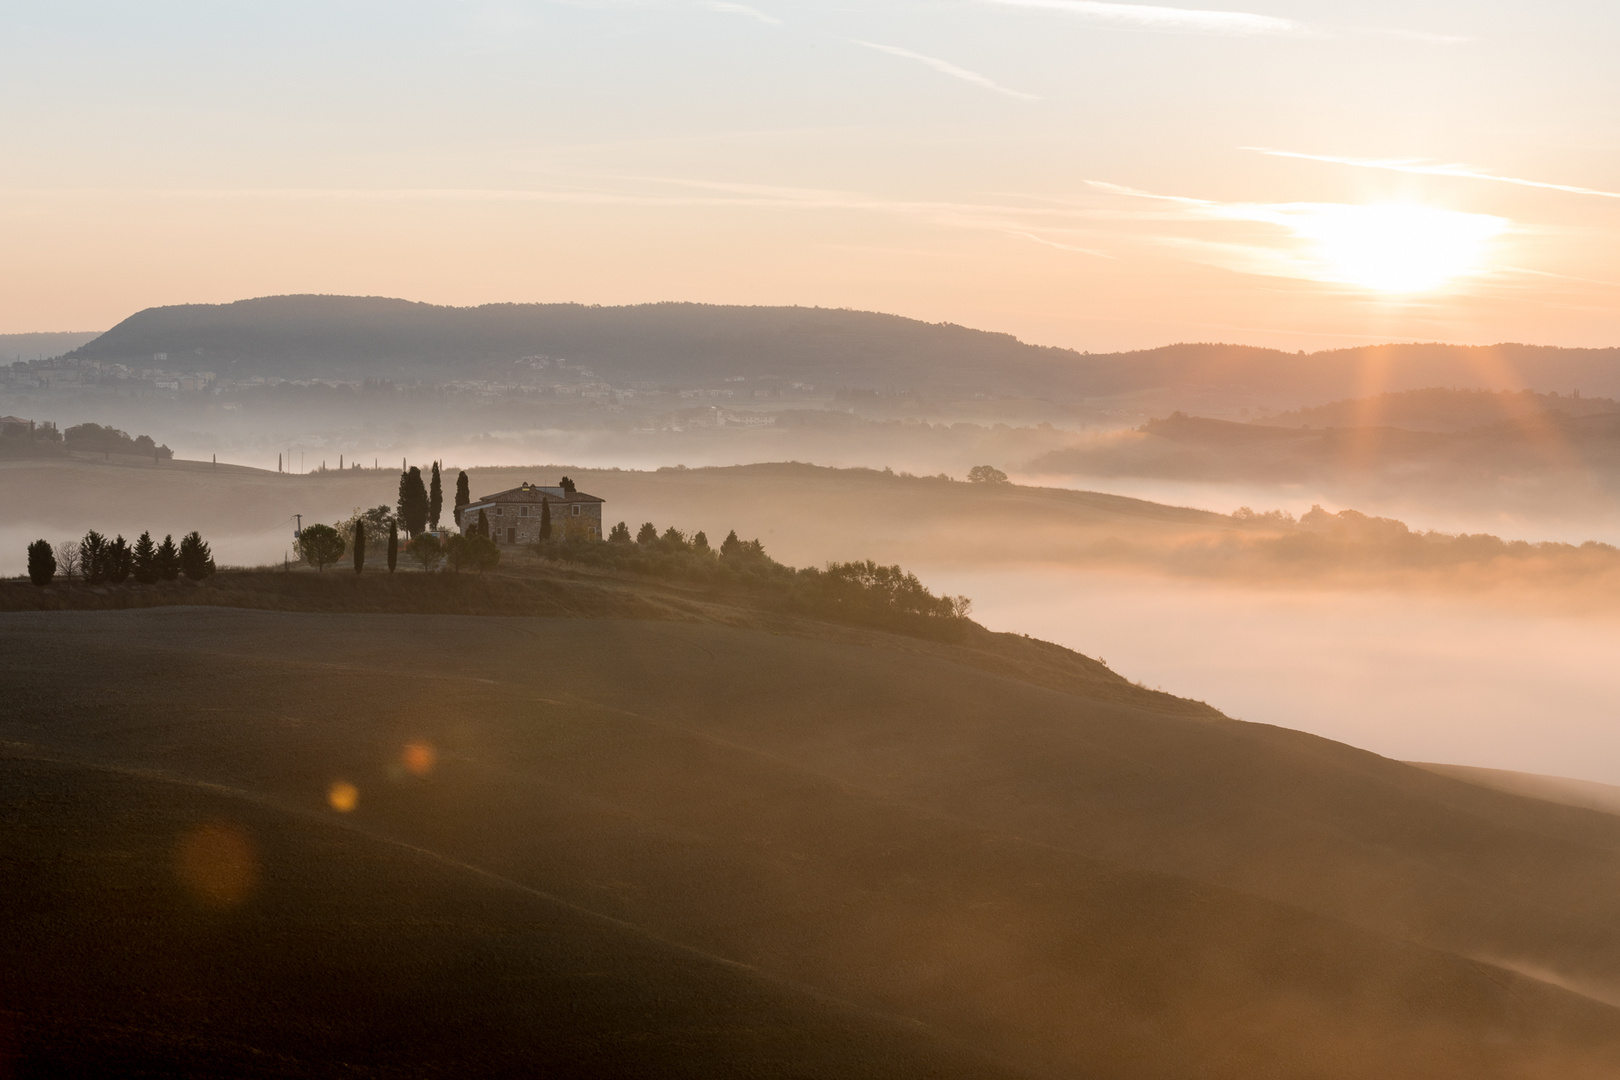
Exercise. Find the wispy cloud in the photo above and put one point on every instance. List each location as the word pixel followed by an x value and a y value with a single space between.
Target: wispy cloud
pixel 1169 19
pixel 945 67
pixel 1175 20
pixel 1427 168
pixel 741 9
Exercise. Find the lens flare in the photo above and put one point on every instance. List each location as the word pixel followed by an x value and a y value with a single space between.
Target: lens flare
pixel 342 796
pixel 217 864
pixel 419 758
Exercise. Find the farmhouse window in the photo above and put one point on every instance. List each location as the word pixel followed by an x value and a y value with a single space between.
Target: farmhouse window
pixel 576 510
pixel 500 509
pixel 523 511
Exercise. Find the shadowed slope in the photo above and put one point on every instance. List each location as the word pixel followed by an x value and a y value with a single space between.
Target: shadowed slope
pixel 1071 885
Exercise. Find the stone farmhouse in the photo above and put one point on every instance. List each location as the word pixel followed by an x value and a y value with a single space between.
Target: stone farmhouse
pixel 514 516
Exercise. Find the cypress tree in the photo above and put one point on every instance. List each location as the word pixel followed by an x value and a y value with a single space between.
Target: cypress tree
pixel 435 497
pixel 41 563
pixel 393 545
pixel 145 560
pixel 463 494
pixel 545 519
pixel 413 501
pixel 359 545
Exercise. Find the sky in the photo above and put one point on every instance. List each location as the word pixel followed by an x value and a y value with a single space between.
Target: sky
pixel 1097 175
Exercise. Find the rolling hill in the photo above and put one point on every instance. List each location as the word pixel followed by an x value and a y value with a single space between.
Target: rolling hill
pixel 718 843
pixel 684 344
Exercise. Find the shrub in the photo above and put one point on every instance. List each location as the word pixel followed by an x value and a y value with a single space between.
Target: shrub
pixel 41 563
pixel 426 550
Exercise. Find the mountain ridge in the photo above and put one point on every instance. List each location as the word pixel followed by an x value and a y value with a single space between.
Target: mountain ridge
pixel 679 343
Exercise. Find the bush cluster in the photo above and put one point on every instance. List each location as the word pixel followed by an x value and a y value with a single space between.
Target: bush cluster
pixel 863 592
pixel 99 561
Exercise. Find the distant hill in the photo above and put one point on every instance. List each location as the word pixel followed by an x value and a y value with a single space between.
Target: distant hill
pixel 686 344
pixel 14 347
pixel 1437 409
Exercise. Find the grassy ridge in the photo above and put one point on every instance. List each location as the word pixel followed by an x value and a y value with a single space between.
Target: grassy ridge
pixel 1069 885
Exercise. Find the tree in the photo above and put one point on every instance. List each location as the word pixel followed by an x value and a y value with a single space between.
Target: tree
pixel 435 497
pixel 545 519
pixel 320 545
pixel 67 557
pixel 167 559
pixel 483 524
pixel 463 494
pixel 619 534
pixel 674 538
pixel 700 543
pixel 426 550
pixel 731 545
pixel 458 552
pixel 486 553
pixel 358 544
pixel 145 560
pixel 413 501
pixel 93 557
pixel 986 474
pixel 196 561
pixel 567 485
pixel 393 546
pixel 41 563
pixel 120 560
pixel 647 533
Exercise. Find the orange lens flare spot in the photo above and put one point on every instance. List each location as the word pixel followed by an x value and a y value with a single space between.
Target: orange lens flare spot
pixel 217 864
pixel 342 796
pixel 419 758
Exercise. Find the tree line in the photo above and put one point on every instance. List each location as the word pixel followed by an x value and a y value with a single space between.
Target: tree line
pixel 99 561
pixel 865 592
pixel 417 512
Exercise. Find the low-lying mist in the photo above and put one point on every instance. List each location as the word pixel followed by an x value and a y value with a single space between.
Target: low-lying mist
pixel 1411 676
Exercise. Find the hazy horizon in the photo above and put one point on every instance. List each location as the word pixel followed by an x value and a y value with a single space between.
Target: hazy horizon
pixel 1093 175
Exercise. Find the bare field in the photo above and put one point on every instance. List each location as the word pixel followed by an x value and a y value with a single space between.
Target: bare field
pixel 923 864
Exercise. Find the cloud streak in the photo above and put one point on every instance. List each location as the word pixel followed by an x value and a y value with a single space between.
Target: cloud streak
pixel 1422 168
pixel 1169 19
pixel 945 67
pixel 741 9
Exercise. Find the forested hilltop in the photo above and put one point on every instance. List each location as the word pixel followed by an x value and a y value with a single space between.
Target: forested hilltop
pixel 687 344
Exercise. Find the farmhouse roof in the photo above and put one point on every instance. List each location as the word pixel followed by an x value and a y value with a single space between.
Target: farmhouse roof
pixel 14 420
pixel 534 494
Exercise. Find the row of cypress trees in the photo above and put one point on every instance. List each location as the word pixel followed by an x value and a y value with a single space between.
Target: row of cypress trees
pixel 421 504
pixel 99 561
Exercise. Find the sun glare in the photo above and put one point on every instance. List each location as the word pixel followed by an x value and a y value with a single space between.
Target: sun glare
pixel 1395 248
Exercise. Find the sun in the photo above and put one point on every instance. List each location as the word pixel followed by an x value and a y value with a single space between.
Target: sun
pixel 1393 247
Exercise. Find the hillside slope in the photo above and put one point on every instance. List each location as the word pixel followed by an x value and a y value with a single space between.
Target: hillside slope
pixel 1065 883
pixel 682 344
